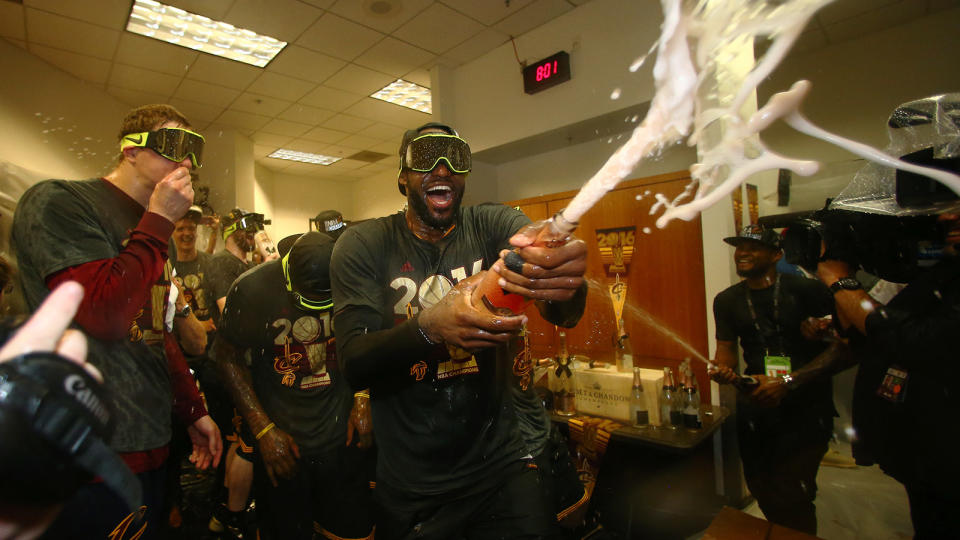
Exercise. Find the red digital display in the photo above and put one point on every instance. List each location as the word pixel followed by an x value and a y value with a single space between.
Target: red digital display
pixel 546 73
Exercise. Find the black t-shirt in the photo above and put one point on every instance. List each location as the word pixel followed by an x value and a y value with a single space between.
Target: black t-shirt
pixel 223 269
pixel 294 367
pixel 799 298
pixel 913 440
pixel 447 424
pixel 60 224
pixel 192 276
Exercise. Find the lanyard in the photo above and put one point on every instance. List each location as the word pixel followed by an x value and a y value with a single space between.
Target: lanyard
pixel 776 316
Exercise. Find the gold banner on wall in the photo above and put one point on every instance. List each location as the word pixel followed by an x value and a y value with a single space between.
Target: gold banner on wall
pixel 618 295
pixel 616 248
pixel 736 197
pixel 753 204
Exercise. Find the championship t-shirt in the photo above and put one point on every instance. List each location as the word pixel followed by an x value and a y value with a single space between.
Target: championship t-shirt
pixel 450 422
pixel 60 224
pixel 294 364
pixel 798 299
pixel 192 278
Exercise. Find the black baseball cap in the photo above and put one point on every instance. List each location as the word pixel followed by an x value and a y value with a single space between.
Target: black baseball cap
pixel 306 268
pixel 756 233
pixel 331 222
pixel 410 135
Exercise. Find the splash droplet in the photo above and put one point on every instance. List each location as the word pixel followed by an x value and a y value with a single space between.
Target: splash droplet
pixel 615 94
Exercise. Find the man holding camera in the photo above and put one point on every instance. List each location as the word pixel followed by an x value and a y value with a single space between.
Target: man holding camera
pixel 785 422
pixel 905 398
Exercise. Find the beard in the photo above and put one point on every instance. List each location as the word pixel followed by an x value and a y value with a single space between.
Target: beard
pixel 417 200
pixel 752 272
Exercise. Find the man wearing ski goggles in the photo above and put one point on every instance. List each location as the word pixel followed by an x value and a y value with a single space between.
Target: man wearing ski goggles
pixel 173 143
pixel 426 151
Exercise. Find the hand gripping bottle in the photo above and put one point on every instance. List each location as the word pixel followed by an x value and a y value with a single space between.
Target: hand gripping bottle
pixel 553 232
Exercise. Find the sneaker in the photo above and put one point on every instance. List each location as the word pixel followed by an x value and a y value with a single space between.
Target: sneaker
pixel 834 458
pixel 226 523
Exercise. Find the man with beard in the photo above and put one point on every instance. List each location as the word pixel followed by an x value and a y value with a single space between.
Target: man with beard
pixel 785 423
pixel 451 460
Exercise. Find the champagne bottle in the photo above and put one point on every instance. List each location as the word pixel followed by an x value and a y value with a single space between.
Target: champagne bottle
pixel 691 404
pixel 553 232
pixel 623 351
pixel 564 399
pixel 670 416
pixel 639 414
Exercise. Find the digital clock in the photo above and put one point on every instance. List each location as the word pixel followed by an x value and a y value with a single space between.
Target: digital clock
pixel 546 73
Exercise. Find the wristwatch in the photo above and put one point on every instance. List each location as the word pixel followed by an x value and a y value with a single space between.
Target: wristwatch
pixel 845 284
pixel 185 312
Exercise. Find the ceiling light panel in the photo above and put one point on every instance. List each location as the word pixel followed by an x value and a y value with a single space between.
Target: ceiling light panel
pixel 174 25
pixel 304 157
pixel 406 94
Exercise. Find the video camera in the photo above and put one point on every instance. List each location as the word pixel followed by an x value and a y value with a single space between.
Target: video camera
pixel 885 221
pixel 252 222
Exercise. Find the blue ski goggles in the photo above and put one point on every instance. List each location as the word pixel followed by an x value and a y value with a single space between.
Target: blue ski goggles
pixel 175 144
pixel 425 152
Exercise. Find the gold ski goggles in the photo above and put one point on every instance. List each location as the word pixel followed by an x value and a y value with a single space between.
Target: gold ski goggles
pixel 425 152
pixel 175 144
pixel 303 301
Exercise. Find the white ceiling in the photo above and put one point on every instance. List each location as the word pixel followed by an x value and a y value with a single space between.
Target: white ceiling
pixel 313 96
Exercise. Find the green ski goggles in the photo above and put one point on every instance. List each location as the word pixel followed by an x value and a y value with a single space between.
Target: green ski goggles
pixel 175 144
pixel 303 301
pixel 426 151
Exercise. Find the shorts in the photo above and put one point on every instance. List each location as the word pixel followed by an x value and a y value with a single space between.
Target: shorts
pixel 246 441
pixel 560 480
pixel 511 506
pixel 328 495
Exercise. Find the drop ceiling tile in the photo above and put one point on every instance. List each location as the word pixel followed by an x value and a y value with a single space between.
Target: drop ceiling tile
pixel 134 78
pixel 305 145
pixel 359 80
pixel 19 43
pixel 136 98
pixel 838 11
pixel 385 16
pixel 202 92
pixel 303 63
pixel 135 50
pixel 533 16
pixel 387 147
pixel 347 123
pixel 223 72
pixel 487 13
pixel 314 170
pixel 338 37
pixel 479 45
pixel 108 13
pixel 394 57
pixel 383 132
pixel 275 165
pixel 325 135
pixel 242 120
pixel 438 29
pixel 280 86
pixel 346 164
pixel 11 21
pixel 285 127
pixel 359 142
pixel 322 4
pixel 811 39
pixel 279 19
pixel 197 112
pixel 304 114
pixel 271 140
pixel 260 151
pixel 71 35
pixel 86 68
pixel 420 76
pixel 381 111
pixel 873 21
pixel 330 98
pixel 259 104
pixel 214 9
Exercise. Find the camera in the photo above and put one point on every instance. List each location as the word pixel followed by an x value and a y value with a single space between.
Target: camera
pixel 892 246
pixel 252 222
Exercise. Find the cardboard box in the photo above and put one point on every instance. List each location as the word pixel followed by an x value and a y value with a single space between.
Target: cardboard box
pixel 605 392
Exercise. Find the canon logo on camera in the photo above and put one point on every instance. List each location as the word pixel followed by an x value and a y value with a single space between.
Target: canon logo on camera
pixel 77 387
